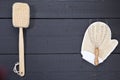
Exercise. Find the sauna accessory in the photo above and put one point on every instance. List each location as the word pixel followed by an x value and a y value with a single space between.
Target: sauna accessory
pixel 21 17
pixel 97 44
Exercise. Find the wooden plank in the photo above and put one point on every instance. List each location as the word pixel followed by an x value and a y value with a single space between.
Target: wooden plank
pixel 66 8
pixel 63 66
pixel 50 36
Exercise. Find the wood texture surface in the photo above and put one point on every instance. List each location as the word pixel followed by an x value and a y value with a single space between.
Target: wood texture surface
pixel 63 66
pixel 53 41
pixel 50 35
pixel 66 8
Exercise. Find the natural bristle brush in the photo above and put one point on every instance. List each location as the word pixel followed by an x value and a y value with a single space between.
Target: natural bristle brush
pixel 20 19
pixel 97 44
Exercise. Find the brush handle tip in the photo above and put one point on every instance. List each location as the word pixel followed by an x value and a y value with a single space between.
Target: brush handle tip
pixel 96 61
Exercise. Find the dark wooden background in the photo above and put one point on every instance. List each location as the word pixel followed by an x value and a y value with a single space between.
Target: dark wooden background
pixel 53 41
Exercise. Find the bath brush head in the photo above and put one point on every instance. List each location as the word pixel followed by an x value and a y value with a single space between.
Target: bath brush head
pixel 21 15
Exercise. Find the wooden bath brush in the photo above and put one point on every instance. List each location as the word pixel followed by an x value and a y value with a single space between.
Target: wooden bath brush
pixel 20 19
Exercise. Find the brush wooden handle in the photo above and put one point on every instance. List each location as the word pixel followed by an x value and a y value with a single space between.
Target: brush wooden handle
pixel 21 53
pixel 96 61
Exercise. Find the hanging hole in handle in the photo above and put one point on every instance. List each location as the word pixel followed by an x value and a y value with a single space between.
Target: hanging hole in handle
pixel 21 73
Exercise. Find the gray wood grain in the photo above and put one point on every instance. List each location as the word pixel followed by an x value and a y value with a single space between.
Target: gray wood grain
pixel 57 28
pixel 63 66
pixel 50 35
pixel 66 8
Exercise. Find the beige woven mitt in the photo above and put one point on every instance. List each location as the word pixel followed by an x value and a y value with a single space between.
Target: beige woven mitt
pixel 97 44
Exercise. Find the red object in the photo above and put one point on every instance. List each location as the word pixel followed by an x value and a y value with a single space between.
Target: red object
pixel 3 74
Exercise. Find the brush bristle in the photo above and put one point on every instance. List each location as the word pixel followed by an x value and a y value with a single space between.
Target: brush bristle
pixel 21 15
